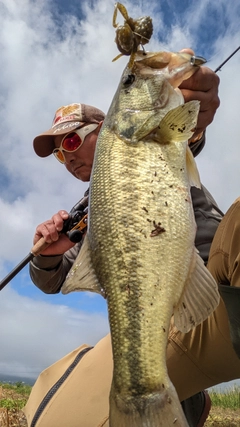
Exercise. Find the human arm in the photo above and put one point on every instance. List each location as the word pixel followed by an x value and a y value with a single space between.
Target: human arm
pixel 203 86
pixel 49 269
pixel 49 272
pixel 207 216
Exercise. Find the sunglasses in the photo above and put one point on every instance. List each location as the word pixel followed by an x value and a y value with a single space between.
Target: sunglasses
pixel 73 141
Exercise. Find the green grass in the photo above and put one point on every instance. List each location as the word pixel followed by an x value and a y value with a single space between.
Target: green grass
pixel 230 399
pixel 13 403
pixel 16 395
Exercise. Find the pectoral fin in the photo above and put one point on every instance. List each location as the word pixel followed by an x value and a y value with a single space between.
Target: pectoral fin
pixel 82 276
pixel 178 124
pixel 199 298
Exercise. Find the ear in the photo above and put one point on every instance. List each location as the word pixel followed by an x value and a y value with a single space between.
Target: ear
pixel 99 126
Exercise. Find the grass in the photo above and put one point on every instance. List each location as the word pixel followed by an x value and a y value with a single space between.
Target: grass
pixel 13 397
pixel 229 400
pixel 225 411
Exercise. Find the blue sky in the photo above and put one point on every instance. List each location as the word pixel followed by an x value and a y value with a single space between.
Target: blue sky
pixel 58 52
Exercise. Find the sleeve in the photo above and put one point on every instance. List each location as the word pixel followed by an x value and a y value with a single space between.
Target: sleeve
pixel 207 217
pixel 49 272
pixel 206 211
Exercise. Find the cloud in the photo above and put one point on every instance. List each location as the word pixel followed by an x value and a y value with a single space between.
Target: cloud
pixel 34 334
pixel 49 59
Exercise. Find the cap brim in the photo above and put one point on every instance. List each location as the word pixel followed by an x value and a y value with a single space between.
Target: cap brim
pixel 43 144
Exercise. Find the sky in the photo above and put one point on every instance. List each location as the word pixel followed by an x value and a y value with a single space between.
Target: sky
pixel 54 53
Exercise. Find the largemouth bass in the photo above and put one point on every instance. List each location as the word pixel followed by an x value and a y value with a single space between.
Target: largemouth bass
pixel 139 248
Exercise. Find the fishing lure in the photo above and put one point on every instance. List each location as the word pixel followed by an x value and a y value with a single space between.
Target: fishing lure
pixel 132 34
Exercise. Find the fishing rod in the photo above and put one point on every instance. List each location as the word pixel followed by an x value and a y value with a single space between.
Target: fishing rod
pixel 226 60
pixel 74 227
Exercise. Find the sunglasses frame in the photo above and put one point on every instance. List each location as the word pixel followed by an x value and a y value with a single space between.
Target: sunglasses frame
pixel 82 133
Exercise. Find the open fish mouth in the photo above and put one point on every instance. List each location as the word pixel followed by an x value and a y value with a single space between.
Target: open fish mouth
pixel 148 64
pixel 161 59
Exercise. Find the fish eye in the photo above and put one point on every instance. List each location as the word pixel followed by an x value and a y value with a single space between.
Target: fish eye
pixel 127 81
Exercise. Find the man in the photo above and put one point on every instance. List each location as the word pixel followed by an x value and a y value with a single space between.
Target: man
pixel 196 360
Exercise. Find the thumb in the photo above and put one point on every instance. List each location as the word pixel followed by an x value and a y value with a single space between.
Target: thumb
pixel 188 50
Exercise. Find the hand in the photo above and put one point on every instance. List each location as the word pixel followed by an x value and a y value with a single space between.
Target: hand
pixel 202 86
pixel 50 231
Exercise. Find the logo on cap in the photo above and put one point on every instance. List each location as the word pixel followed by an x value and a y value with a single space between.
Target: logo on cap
pixel 67 126
pixel 65 114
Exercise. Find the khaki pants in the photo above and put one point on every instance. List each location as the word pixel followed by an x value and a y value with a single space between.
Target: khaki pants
pixel 197 360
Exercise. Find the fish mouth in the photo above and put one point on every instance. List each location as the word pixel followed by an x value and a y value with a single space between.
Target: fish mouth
pixel 174 67
pixel 157 61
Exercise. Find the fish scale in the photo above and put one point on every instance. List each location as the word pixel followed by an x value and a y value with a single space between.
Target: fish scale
pixel 139 249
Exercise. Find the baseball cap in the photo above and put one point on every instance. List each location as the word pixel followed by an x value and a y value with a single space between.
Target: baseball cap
pixel 66 119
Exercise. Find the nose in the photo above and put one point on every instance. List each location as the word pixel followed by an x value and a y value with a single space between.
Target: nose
pixel 69 157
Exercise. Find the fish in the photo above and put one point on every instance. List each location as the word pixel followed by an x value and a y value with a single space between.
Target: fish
pixel 139 250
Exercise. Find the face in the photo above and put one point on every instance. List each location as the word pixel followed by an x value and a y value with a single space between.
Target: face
pixel 79 163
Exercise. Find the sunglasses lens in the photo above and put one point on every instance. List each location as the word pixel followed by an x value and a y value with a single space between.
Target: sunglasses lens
pixel 71 142
pixel 59 156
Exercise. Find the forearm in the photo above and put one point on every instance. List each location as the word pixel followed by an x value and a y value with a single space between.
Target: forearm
pixel 206 211
pixel 49 272
pixel 207 216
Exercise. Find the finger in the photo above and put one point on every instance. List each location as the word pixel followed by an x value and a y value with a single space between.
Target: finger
pixel 59 218
pixel 59 247
pixel 202 80
pixel 64 214
pixel 187 50
pixel 204 120
pixel 209 99
pixel 48 231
